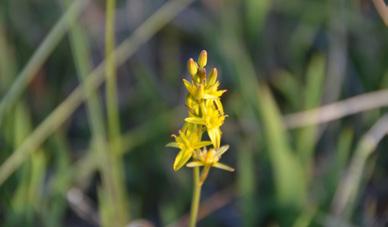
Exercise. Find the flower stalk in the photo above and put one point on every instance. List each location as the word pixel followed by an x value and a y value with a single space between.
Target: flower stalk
pixel 196 197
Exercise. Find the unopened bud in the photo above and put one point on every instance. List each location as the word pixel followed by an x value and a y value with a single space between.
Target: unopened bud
pixel 202 59
pixel 213 76
pixel 192 67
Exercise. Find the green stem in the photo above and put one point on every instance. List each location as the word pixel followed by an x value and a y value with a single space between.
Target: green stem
pixel 110 73
pixel 196 197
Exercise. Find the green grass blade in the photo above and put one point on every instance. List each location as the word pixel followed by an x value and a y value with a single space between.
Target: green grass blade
pixel 28 192
pixel 306 137
pixel 246 182
pixel 113 185
pixel 289 176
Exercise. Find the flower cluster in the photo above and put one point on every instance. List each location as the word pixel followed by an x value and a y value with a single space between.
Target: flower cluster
pixel 205 115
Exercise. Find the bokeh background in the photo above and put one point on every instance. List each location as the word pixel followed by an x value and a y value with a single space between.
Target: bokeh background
pixel 71 166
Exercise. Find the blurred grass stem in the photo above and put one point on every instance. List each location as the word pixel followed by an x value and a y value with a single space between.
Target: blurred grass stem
pixel 110 73
pixel 110 171
pixel 337 110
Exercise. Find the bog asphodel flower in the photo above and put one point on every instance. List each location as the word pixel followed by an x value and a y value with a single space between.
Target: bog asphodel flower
pixel 205 117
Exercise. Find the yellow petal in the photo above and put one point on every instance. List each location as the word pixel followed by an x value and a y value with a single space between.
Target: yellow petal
pixel 222 150
pixel 220 92
pixel 195 120
pixel 223 167
pixel 194 164
pixel 210 96
pixel 190 88
pixel 219 106
pixel 215 136
pixel 181 159
pixel 202 144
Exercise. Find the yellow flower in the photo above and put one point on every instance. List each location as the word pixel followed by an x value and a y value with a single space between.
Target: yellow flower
pixel 207 159
pixel 212 118
pixel 210 158
pixel 187 141
pixel 206 90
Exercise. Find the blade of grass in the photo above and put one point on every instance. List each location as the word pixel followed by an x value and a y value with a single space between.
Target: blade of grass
pixel 114 190
pixel 40 56
pixel 7 72
pixel 246 182
pixel 342 154
pixel 110 73
pixel 113 186
pixel 7 64
pixel 28 192
pixel 289 177
pixel 67 107
pixel 55 199
pixel 255 14
pixel 290 87
pixel 238 60
pixel 306 137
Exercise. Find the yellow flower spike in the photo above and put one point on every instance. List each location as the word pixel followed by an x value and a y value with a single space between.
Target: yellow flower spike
pixel 205 115
pixel 192 67
pixel 202 59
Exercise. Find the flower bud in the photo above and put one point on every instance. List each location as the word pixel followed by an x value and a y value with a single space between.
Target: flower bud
pixel 202 59
pixel 192 67
pixel 213 76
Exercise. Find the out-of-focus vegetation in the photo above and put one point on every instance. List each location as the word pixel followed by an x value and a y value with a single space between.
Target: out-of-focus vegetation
pixel 74 153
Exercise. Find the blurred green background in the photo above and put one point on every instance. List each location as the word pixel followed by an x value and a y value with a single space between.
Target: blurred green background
pixel 73 153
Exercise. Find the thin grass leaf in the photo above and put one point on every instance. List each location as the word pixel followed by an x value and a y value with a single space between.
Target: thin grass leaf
pixel 289 179
pixel 307 136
